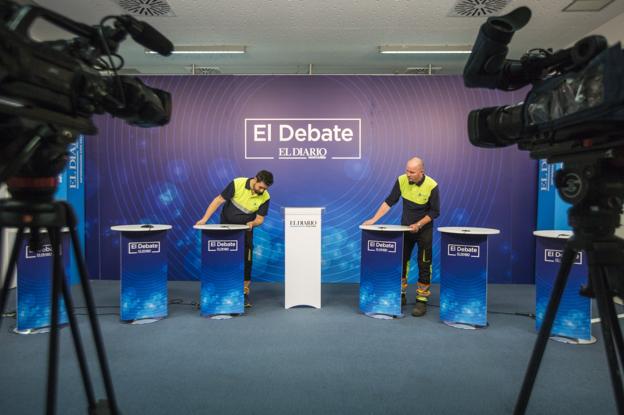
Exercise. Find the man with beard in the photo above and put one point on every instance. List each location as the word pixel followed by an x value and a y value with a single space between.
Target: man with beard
pixel 246 203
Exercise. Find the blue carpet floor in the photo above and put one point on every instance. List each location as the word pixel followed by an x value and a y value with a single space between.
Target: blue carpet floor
pixel 307 361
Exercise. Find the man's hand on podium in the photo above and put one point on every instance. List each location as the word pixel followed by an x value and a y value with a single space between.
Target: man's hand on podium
pixel 200 222
pixel 415 227
pixel 250 224
pixel 369 222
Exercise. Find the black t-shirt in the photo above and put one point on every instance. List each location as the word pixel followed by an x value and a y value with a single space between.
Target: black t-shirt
pixel 232 214
pixel 413 212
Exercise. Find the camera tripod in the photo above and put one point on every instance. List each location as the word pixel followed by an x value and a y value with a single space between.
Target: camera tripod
pixel 594 225
pixel 53 216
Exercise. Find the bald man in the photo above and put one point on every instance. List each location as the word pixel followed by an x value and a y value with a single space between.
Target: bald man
pixel 421 205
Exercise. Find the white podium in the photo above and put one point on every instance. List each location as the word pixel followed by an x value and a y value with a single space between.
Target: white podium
pixel 302 246
pixel 7 238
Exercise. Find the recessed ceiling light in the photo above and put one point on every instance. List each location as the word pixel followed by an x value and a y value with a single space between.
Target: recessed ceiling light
pixel 414 49
pixel 587 5
pixel 220 49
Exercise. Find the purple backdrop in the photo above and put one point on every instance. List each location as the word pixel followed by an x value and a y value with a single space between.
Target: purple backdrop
pixel 169 175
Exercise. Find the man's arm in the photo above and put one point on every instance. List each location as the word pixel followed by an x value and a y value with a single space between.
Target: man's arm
pixel 263 210
pixel 416 227
pixel 383 209
pixel 394 197
pixel 214 205
pixel 259 220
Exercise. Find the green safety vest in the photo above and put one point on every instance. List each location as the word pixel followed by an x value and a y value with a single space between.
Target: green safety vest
pixel 246 200
pixel 416 194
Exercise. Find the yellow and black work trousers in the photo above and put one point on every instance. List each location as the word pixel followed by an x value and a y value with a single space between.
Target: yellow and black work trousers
pixel 248 259
pixel 424 240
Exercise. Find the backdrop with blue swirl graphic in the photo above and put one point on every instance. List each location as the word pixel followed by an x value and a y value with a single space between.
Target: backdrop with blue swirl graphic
pixel 169 175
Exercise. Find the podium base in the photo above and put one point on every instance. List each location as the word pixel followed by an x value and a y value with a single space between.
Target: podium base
pixel 463 326
pixel 144 320
pixel 288 307
pixel 380 316
pixel 40 330
pixel 570 340
pixel 223 316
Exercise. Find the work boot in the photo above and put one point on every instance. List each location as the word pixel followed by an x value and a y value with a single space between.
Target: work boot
pixel 403 299
pixel 247 301
pixel 420 309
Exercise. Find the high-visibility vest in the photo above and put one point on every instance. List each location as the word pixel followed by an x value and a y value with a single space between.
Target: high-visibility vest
pixel 246 200
pixel 417 194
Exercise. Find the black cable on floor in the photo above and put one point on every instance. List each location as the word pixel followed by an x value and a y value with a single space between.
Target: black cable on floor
pixel 507 313
pixel 180 301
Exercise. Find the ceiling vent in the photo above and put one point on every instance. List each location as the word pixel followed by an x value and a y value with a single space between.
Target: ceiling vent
pixel 204 70
pixel 146 8
pixel 477 8
pixel 423 70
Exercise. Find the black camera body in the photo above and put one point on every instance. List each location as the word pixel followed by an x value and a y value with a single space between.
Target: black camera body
pixel 573 114
pixel 576 103
pixel 50 90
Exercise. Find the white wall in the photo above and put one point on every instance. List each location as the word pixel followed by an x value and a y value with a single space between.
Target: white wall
pixel 613 30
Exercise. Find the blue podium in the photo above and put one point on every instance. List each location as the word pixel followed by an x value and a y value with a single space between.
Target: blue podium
pixel 222 270
pixel 143 272
pixel 34 284
pixel 573 320
pixel 380 270
pixel 463 276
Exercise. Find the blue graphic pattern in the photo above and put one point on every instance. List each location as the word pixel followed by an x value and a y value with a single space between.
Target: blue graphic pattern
pixel 573 319
pixel 34 286
pixel 170 175
pixel 143 277
pixel 463 286
pixel 380 279
pixel 222 275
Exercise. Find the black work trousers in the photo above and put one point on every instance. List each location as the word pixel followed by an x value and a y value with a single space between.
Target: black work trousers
pixel 424 240
pixel 248 254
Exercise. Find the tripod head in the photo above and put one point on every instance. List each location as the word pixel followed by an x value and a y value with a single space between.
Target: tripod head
pixel 593 182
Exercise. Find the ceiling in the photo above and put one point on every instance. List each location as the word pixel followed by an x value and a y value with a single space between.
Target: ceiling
pixel 329 36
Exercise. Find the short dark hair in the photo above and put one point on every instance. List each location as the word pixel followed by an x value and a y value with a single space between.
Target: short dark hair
pixel 265 177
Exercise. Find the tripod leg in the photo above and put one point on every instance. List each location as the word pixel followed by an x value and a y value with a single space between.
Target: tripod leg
pixel 95 327
pixel 611 333
pixel 82 361
pixel 53 233
pixel 4 295
pixel 567 260
pixel 617 332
